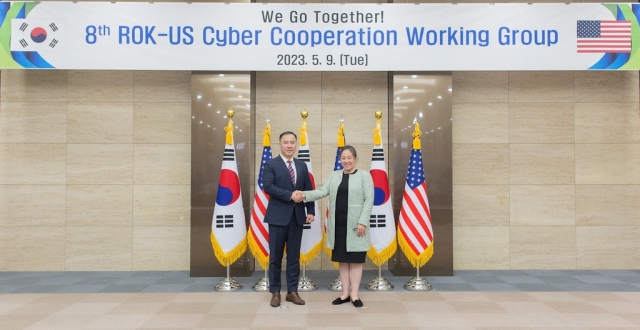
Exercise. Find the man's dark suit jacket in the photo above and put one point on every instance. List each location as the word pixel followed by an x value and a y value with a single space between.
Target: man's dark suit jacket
pixel 277 183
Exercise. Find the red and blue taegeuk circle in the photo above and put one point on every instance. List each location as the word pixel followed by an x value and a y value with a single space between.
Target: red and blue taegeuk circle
pixel 380 187
pixel 229 188
pixel 38 35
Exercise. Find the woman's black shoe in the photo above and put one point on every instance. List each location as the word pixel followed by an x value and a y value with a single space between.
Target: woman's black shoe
pixel 339 301
pixel 357 303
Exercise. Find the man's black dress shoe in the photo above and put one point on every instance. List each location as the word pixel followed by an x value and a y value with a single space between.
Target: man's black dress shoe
pixel 357 303
pixel 339 301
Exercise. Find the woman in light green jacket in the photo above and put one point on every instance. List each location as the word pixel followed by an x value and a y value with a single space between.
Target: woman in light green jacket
pixel 351 199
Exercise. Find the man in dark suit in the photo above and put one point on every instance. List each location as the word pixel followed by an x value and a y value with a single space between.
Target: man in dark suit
pixel 282 176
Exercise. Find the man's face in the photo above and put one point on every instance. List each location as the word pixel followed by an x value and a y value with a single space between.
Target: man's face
pixel 288 145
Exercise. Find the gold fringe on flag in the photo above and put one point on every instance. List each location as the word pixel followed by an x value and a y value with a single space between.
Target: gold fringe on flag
pixel 227 259
pixel 416 261
pixel 229 128
pixel 263 260
pixel 379 258
pixel 306 259
pixel 327 250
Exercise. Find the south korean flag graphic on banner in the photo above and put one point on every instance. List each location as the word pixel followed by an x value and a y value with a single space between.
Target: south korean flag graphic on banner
pixel 28 35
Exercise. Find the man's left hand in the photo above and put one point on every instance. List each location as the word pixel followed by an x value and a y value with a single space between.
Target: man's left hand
pixel 310 218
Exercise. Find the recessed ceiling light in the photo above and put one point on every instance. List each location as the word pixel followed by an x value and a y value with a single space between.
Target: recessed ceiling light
pixel 199 97
pixel 439 96
pixel 430 104
pixel 221 75
pixel 209 104
pixel 414 76
pixel 232 86
pixel 405 87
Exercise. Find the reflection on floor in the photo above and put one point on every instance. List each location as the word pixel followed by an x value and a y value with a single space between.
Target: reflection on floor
pixel 468 300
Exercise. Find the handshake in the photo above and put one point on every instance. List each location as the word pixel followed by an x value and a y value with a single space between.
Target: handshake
pixel 298 196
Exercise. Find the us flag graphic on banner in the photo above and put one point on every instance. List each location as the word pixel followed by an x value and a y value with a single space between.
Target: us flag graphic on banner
pixel 415 234
pixel 312 233
pixel 258 236
pixel 38 35
pixel 228 228
pixel 607 36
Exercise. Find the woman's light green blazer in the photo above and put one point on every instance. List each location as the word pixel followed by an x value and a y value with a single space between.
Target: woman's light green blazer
pixel 360 205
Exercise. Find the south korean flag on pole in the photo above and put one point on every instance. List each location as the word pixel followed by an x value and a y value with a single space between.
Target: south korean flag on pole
pixel 28 35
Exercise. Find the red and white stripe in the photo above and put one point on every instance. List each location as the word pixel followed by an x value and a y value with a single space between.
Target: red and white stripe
pixel 259 231
pixel 415 218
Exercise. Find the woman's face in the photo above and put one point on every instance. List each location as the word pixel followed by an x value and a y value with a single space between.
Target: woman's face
pixel 348 161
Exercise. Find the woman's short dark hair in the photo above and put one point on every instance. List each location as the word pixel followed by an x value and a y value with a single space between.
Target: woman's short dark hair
pixel 287 133
pixel 350 148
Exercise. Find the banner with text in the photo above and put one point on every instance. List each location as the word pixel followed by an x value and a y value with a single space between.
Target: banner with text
pixel 318 37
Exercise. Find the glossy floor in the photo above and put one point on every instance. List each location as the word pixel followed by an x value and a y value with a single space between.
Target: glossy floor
pixel 468 300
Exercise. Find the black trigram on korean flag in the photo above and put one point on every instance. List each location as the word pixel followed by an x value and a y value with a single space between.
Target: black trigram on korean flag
pixel 378 154
pixel 24 26
pixel 53 27
pixel 306 226
pixel 23 43
pixel 229 154
pixel 224 221
pixel 378 221
pixel 304 155
pixel 53 43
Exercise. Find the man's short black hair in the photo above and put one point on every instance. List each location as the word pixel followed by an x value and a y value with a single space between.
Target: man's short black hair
pixel 287 133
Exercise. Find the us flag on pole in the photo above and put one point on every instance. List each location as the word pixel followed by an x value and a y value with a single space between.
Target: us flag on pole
pixel 337 166
pixel 415 234
pixel 606 36
pixel 258 237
